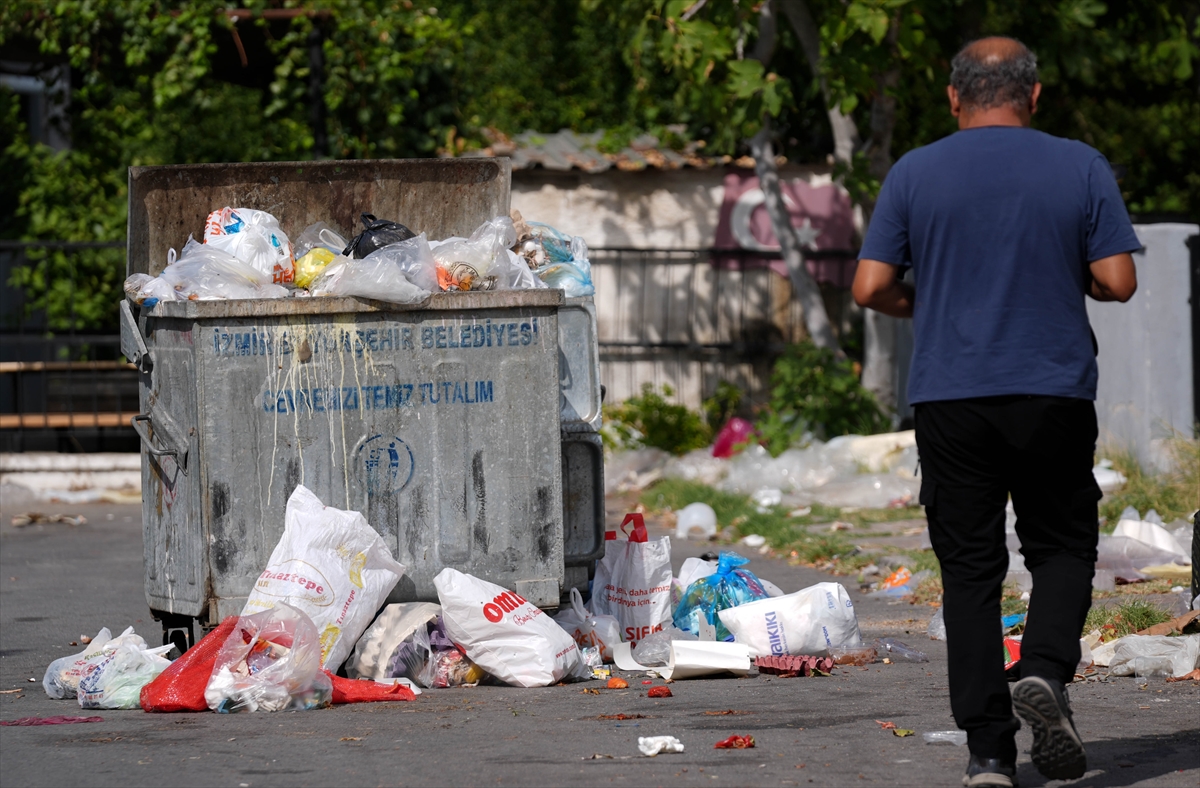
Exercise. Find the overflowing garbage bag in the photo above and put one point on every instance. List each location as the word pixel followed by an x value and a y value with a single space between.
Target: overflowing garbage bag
pixel 271 661
pixel 331 565
pixel 728 587
pixel 254 238
pixel 64 674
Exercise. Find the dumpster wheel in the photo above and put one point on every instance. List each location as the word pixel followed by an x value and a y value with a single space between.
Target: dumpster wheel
pixel 177 629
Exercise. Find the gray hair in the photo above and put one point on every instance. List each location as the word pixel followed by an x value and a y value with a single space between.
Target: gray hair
pixel 989 76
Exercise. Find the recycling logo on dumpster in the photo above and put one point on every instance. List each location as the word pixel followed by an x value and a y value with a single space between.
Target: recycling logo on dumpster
pixel 385 464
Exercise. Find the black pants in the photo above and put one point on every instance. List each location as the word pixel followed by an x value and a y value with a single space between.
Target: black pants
pixel 974 453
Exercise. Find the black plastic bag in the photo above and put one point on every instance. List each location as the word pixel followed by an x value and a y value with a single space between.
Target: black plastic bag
pixel 379 233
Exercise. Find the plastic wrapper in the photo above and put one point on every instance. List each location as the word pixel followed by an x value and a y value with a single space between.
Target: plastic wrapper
pixel 896 650
pixel 271 661
pixel 1155 655
pixel 655 648
pixel 1125 556
pixel 589 631
pixel 376 234
pixel 480 262
pixel 729 586
pixel 181 686
pixel 451 669
pixel 115 678
pixel 254 238
pixel 957 738
pixel 937 625
pixel 317 235
pixel 853 655
pixel 414 259
pixel 395 627
pixel 312 264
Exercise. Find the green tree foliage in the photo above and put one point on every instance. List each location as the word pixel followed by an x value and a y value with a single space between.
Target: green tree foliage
pixel 814 392
pixel 658 423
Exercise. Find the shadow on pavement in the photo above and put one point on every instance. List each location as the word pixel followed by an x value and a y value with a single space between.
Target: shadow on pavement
pixel 1128 761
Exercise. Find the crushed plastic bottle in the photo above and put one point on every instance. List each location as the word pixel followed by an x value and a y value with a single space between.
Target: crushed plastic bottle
pixel 898 650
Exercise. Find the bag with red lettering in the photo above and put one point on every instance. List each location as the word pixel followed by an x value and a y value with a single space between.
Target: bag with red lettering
pixel 589 631
pixel 504 634
pixel 333 566
pixel 633 581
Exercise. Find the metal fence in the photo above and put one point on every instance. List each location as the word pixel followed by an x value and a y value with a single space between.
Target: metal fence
pixel 689 319
pixel 64 385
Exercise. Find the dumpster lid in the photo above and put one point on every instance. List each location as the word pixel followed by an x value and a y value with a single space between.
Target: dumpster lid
pixel 438 197
pixel 326 305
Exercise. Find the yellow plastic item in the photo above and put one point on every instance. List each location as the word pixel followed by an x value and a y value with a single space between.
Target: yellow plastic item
pixel 312 264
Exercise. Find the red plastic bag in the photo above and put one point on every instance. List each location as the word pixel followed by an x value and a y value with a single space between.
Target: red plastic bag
pixel 360 691
pixel 734 432
pixel 181 686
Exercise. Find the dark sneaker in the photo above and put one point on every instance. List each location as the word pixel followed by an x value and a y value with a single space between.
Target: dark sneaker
pixel 1057 749
pixel 990 772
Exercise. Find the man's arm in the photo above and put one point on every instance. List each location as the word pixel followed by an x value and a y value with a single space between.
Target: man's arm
pixel 877 287
pixel 1113 278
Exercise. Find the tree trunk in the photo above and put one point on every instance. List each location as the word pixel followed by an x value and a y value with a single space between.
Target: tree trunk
pixel 804 288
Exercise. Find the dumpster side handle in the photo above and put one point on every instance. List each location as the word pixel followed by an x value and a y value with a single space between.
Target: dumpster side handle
pixel 142 432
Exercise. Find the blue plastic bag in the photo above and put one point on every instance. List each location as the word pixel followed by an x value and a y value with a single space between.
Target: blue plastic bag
pixel 568 267
pixel 728 587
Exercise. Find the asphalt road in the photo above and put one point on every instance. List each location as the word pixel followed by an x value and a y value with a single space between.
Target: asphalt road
pixel 58 582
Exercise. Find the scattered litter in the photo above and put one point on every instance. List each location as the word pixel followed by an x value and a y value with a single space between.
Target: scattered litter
pixel 766 499
pixel 621 717
pixel 617 683
pixel 937 625
pixel 10 692
pixel 1108 479
pixel 808 621
pixel 698 515
pixel 853 655
pixel 366 691
pixel 653 745
pixel 803 511
pixel 887 726
pixel 838 525
pixel 1193 676
pixel 735 742
pixel 1155 655
pixel 792 666
pixel 957 738
pixel 37 518
pixel 692 658
pixel 900 650
pixel 56 720
pixel 902 732
pixel 351 738
pixel 1012 652
pixel 655 649
pixel 754 540
pixel 589 631
pixel 726 713
pixel 589 691
pixel 1184 624
pixel 390 647
pixel 658 692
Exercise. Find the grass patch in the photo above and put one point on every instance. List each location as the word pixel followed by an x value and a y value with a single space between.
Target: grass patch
pixel 1125 619
pixel 791 536
pixel 1173 495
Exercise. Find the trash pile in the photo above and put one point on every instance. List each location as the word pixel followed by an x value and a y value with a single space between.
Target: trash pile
pixel 1141 548
pixel 308 636
pixel 246 254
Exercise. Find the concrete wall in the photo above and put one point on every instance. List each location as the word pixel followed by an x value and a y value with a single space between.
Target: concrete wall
pixel 1146 378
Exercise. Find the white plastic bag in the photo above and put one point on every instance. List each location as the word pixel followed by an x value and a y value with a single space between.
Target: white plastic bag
pixel 271 661
pixel 633 582
pixel 808 622
pixel 63 674
pixel 476 263
pixel 255 238
pixel 394 625
pixel 1149 655
pixel 503 633
pixel 1154 535
pixel 114 679
pixel 205 272
pixel 331 565
pixel 589 630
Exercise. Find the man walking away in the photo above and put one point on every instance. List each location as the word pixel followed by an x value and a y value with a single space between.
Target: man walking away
pixel 1006 229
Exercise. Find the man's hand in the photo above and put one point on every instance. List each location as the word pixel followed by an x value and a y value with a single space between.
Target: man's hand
pixel 876 287
pixel 1113 278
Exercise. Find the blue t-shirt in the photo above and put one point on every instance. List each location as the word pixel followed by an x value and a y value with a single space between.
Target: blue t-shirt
pixel 999 225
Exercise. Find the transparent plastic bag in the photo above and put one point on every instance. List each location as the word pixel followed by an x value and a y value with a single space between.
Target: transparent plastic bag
pixel 411 656
pixel 450 669
pixel 254 238
pixel 311 264
pixel 318 235
pixel 62 676
pixel 655 649
pixel 204 272
pixel 383 275
pixel 602 632
pixel 378 233
pixel 377 648
pixel 729 586
pixel 1148 655
pixel 897 650
pixel 270 662
pixel 478 262
pixel 115 679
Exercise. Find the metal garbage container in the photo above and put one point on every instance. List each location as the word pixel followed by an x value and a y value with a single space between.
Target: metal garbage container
pixel 441 422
